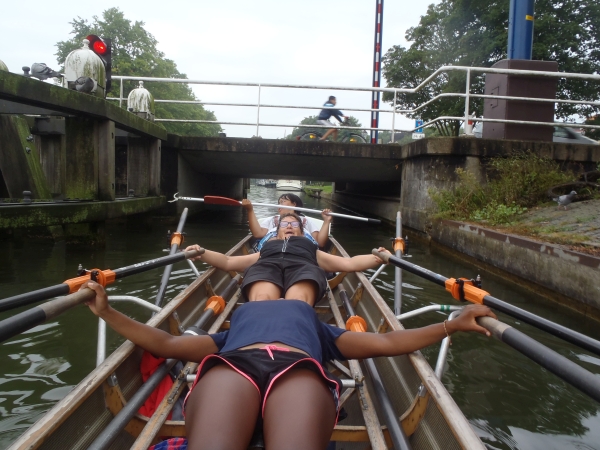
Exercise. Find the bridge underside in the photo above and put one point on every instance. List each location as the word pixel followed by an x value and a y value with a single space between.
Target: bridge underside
pixel 262 158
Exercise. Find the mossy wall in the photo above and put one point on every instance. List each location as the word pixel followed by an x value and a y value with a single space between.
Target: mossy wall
pixel 19 159
pixel 81 159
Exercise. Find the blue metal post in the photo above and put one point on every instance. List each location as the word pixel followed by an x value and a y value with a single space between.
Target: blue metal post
pixel 520 29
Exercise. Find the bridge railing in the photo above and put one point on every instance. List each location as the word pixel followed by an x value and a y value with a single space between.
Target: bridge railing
pixel 467 95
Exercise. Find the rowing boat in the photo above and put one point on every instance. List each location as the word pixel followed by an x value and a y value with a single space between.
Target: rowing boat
pixel 429 416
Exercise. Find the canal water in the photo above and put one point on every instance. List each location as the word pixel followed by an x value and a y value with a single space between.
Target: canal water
pixel 510 401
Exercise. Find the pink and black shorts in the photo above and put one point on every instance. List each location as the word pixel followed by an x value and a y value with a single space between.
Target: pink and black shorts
pixel 263 366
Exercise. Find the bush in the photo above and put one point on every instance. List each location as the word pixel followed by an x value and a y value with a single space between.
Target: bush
pixel 514 184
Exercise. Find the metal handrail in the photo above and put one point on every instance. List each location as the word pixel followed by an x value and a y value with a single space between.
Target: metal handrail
pixel 467 95
pixel 443 353
pixel 101 344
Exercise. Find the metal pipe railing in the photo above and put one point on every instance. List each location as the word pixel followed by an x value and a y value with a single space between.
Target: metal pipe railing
pixel 101 344
pixel 467 95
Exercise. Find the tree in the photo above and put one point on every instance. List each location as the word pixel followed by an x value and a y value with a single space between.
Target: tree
pixel 471 33
pixel 312 120
pixel 134 52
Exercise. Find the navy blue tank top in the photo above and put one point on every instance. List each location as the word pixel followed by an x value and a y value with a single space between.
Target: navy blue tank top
pixel 294 245
pixel 291 322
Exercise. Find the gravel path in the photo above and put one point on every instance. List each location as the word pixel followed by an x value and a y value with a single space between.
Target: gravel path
pixel 578 226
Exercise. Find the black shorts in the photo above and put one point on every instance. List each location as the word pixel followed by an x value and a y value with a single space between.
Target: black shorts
pixel 285 272
pixel 262 367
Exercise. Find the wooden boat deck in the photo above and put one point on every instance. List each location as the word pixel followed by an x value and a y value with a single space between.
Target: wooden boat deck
pixel 429 415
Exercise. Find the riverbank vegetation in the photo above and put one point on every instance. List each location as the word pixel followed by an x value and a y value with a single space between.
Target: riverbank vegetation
pixel 468 33
pixel 512 186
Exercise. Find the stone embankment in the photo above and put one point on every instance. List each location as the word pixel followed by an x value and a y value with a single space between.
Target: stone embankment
pixel 551 250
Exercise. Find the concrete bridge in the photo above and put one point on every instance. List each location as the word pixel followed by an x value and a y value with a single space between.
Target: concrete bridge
pixel 86 160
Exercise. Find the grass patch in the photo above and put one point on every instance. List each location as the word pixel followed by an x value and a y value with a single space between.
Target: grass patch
pixel 327 189
pixel 585 219
pixel 514 184
pixel 540 219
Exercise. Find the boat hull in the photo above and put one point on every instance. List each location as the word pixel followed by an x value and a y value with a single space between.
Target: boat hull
pixel 77 420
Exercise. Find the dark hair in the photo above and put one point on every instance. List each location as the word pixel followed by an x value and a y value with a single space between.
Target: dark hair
pixel 331 97
pixel 295 216
pixel 292 198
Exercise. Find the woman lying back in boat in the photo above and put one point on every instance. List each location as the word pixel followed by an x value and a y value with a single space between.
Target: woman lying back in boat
pixel 288 266
pixel 268 227
pixel 269 365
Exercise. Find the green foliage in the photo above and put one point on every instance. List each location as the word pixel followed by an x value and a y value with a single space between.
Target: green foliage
pixel 470 33
pixel 134 53
pixel 593 133
pixel 299 131
pixel 497 213
pixel 514 184
pixel 312 120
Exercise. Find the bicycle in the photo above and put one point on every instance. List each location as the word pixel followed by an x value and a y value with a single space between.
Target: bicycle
pixel 346 136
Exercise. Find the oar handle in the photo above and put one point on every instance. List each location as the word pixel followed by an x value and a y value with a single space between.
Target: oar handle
pixel 316 211
pixel 39 314
pixel 158 262
pixel 73 284
pixel 412 268
pixel 32 297
pixel 560 366
pixel 213 200
pixel 385 257
pixel 358 324
pixel 35 316
pixel 555 329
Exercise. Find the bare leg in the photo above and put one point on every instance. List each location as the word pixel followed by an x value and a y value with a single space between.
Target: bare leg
pixel 300 412
pixel 263 290
pixel 328 133
pixel 335 134
pixel 305 290
pixel 221 411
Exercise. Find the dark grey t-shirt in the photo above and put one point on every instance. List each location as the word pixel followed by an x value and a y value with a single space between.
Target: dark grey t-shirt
pixel 291 322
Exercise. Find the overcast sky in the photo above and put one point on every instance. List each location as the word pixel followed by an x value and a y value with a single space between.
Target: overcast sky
pixel 308 42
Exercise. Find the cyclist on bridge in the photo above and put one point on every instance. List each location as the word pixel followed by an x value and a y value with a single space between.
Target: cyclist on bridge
pixel 326 114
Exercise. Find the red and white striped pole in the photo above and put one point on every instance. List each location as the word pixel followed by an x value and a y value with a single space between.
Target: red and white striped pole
pixel 376 70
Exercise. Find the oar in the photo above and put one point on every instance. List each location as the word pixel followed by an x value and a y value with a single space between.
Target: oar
pixel 176 241
pixel 213 200
pixel 214 306
pixel 478 296
pixel 39 314
pixel 73 284
pixel 585 381
pixel 356 323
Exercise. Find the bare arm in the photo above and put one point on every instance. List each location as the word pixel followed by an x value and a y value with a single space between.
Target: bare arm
pixel 322 235
pixel 370 345
pixel 224 262
pixel 332 263
pixel 255 228
pixel 155 341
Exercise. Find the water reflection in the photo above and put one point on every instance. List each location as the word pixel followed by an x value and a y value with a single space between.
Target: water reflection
pixel 510 401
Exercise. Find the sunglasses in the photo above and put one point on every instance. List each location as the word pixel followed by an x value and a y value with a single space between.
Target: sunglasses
pixel 285 223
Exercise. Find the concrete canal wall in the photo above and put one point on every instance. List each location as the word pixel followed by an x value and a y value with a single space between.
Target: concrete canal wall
pixel 569 277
